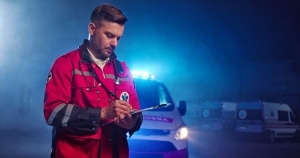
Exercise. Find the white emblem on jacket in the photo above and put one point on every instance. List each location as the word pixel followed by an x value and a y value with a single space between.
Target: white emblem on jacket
pixel 124 96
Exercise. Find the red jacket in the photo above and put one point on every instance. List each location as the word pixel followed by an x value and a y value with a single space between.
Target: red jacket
pixel 76 90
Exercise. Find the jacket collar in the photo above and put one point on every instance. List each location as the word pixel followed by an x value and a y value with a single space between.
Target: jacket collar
pixel 85 56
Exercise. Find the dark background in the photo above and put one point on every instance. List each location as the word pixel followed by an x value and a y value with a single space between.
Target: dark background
pixel 228 50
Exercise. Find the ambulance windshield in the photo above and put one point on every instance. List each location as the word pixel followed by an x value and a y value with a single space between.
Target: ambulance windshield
pixel 152 93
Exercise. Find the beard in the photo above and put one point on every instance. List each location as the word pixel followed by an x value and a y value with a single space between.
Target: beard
pixel 104 53
pixel 100 50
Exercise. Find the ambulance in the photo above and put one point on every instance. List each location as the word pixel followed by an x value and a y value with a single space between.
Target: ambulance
pixel 163 134
pixel 217 115
pixel 266 119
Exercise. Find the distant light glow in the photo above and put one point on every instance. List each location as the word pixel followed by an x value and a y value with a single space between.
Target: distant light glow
pixel 8 21
pixel 152 76
pixel 3 15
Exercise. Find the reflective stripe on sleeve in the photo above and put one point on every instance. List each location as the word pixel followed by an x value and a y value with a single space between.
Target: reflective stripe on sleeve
pixel 54 113
pixel 67 115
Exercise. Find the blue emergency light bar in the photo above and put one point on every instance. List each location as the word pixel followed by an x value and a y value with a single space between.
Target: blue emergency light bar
pixel 141 74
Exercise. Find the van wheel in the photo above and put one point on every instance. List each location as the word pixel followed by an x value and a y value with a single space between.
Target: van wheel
pixel 272 137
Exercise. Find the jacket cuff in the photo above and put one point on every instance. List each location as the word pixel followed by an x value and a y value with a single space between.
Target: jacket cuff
pixel 87 120
pixel 137 124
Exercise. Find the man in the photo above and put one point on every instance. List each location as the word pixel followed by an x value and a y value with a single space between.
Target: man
pixel 89 94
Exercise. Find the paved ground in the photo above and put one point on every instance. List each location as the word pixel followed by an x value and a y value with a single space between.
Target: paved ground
pixel 220 145
pixel 29 144
pixel 32 139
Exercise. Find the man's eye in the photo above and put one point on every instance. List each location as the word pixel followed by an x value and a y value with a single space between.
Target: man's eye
pixel 109 35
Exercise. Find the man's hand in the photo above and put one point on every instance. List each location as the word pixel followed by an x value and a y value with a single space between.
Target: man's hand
pixel 127 121
pixel 117 108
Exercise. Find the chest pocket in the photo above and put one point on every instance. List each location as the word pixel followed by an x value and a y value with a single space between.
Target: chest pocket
pixel 85 90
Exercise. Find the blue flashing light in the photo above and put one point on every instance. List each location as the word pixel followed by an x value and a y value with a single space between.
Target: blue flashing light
pixel 142 74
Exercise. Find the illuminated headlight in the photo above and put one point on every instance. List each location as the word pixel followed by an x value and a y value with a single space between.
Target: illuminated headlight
pixel 181 133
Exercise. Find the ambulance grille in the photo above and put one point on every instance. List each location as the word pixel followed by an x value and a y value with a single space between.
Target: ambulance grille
pixel 151 146
pixel 148 132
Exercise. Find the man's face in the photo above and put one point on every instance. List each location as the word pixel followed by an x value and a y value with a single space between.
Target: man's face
pixel 104 38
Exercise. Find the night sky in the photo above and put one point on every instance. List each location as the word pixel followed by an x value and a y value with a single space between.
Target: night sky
pixel 232 50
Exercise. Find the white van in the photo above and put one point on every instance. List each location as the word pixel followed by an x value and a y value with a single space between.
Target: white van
pixel 217 115
pixel 271 120
pixel 163 133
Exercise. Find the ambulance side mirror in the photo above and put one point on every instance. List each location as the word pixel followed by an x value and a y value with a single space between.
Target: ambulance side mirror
pixel 182 107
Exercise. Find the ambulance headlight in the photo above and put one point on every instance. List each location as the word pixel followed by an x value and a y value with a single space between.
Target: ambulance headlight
pixel 181 133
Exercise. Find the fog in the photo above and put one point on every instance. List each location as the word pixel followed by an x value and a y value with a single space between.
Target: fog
pixel 202 50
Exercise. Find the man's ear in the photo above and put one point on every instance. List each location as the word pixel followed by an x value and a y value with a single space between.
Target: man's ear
pixel 91 28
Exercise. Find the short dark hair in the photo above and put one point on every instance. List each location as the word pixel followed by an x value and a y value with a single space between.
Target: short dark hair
pixel 108 12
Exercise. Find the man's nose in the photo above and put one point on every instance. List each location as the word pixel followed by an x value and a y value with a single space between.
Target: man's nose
pixel 114 42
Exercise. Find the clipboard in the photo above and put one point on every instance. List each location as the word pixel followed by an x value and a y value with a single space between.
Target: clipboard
pixel 150 108
pixel 142 110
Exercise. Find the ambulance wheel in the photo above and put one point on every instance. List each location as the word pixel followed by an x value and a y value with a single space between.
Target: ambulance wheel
pixel 271 137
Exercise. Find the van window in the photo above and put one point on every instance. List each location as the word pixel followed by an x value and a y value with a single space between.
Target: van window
pixel 152 93
pixel 283 116
pixel 293 117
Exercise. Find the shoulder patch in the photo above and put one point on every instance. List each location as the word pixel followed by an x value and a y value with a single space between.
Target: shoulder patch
pixel 49 77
